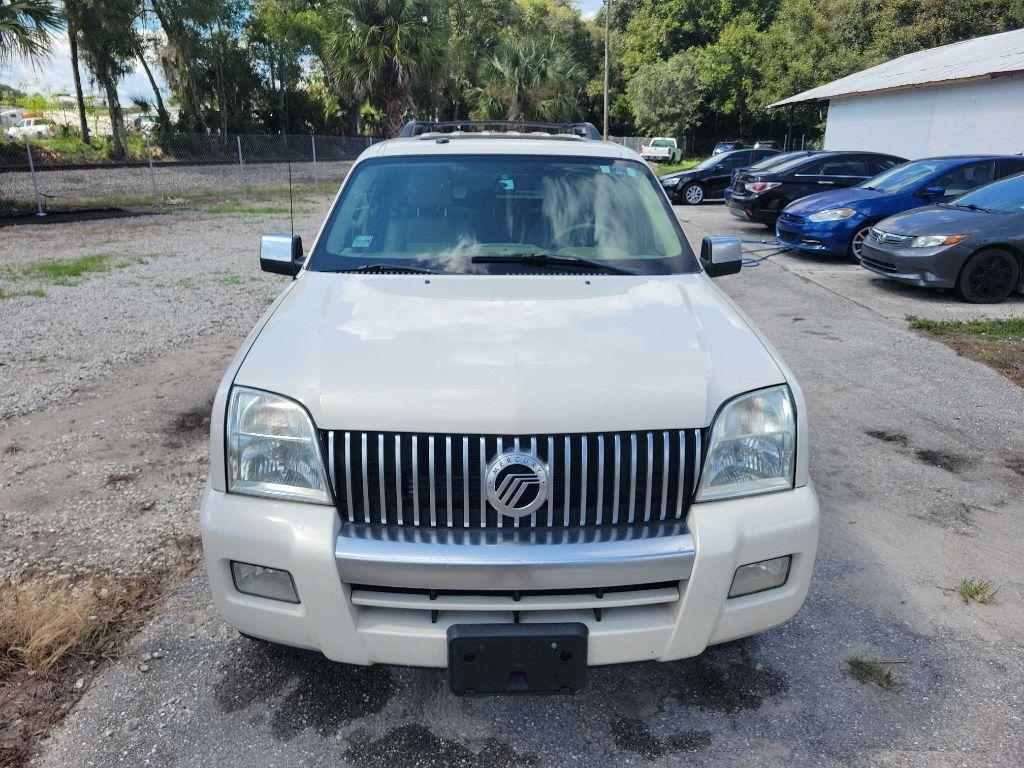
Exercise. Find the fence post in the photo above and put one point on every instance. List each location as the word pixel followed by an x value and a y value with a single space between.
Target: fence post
pixel 35 184
pixel 152 173
pixel 241 162
pixel 316 176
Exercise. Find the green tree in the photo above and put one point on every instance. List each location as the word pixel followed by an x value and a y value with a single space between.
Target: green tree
pixel 384 48
pixel 528 80
pixel 663 97
pixel 108 41
pixel 729 71
pixel 25 29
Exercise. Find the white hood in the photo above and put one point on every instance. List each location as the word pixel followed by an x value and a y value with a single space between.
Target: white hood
pixel 484 354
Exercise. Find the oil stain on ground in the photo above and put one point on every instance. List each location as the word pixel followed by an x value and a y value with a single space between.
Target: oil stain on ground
pixel 726 687
pixel 888 436
pixel 416 746
pixel 951 462
pixel 631 734
pixel 303 691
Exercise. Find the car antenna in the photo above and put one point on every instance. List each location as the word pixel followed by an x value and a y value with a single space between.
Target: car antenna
pixel 288 158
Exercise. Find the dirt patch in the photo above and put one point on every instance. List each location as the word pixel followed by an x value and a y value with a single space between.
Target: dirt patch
pixel 1004 355
pixel 951 462
pixel 305 690
pixel 957 517
pixel 728 687
pixel 631 734
pixel 416 746
pixel 193 420
pixel 56 636
pixel 887 436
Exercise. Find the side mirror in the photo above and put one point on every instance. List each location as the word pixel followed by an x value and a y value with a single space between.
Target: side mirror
pixel 929 192
pixel 721 255
pixel 281 254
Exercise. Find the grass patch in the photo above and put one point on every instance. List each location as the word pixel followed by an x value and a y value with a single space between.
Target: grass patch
pixel 245 208
pixel 660 169
pixel 61 272
pixel 37 293
pixel 976 591
pixel 872 672
pixel 998 344
pixel 1008 328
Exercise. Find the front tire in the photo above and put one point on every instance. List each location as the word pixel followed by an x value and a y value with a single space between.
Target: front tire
pixel 693 194
pixel 857 243
pixel 988 277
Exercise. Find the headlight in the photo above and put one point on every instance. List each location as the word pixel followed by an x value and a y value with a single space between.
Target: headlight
pixel 272 448
pixel 933 241
pixel 752 447
pixel 832 214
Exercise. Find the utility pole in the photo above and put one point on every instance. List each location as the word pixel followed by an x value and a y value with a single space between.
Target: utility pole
pixel 607 13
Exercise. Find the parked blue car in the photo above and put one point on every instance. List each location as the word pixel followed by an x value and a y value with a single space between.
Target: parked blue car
pixel 836 222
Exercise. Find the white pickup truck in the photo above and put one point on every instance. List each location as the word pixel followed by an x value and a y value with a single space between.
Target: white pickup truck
pixel 661 150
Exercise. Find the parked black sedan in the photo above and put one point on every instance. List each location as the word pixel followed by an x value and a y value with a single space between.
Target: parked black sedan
pixel 974 244
pixel 708 179
pixel 761 196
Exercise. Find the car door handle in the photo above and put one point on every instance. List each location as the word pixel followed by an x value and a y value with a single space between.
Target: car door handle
pixel 826 182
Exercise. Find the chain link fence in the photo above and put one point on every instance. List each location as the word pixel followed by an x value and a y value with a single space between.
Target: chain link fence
pixel 46 176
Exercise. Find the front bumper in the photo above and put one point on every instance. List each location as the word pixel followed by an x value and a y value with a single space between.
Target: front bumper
pixel 925 267
pixel 336 567
pixel 832 238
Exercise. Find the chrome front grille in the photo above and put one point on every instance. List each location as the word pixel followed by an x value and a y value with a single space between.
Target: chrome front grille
pixel 438 480
pixel 890 238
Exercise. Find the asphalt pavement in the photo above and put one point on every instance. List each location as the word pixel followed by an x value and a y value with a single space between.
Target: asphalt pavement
pixel 917 456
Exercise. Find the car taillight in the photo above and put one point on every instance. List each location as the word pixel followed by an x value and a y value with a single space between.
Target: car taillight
pixel 762 186
pixel 642 147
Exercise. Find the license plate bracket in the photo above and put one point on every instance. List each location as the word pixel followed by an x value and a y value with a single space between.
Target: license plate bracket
pixel 517 658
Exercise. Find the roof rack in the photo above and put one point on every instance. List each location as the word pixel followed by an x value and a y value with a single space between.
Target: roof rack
pixel 583 130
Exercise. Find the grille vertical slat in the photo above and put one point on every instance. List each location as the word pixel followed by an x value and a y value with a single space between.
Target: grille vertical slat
pixel 366 482
pixel 388 478
pixel 382 485
pixel 649 476
pixel 632 476
pixel 398 479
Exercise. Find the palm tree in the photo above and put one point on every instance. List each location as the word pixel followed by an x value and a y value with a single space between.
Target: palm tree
pixel 528 80
pixel 25 29
pixel 383 48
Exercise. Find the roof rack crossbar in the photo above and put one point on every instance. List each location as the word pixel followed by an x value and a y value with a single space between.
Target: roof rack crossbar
pixel 418 128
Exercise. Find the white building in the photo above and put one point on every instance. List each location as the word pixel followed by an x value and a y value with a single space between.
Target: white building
pixel 966 97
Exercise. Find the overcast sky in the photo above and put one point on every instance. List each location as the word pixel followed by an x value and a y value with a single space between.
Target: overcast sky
pixel 54 75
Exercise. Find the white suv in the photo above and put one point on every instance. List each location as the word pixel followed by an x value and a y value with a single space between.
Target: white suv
pixel 503 422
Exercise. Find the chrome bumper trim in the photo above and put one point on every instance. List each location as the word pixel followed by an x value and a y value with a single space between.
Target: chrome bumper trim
pixel 510 558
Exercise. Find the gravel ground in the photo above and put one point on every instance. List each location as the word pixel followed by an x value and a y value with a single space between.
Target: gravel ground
pixel 914 454
pixel 103 186
pixel 171 280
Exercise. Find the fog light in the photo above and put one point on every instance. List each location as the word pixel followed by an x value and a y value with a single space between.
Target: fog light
pixel 757 577
pixel 266 582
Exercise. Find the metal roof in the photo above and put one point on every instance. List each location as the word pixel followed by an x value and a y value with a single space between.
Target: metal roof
pixel 982 57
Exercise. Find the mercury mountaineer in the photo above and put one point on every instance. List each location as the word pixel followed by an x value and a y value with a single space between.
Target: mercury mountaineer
pixel 502 421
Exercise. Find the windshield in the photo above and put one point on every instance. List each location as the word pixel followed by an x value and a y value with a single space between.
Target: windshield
pixel 663 143
pixel 904 178
pixel 772 160
pixel 709 162
pixel 1004 196
pixel 448 213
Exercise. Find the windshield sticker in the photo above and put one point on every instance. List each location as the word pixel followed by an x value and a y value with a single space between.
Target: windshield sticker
pixel 362 241
pixel 631 172
pixel 606 169
pixel 507 183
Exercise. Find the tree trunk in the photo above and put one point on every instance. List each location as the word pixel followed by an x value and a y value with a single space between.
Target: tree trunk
pixel 161 112
pixel 79 99
pixel 116 119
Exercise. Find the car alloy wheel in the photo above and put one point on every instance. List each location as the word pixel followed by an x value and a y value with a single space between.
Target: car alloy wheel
pixel 857 244
pixel 693 194
pixel 989 277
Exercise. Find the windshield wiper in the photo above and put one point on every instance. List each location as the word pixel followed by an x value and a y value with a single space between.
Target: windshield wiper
pixel 546 260
pixel 379 269
pixel 973 207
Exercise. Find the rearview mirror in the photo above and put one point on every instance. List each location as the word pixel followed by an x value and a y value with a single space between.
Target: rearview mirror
pixel 721 255
pixel 933 192
pixel 281 254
